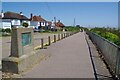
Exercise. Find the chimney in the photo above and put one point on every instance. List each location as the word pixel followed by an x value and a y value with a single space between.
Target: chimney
pixel 21 13
pixel 39 15
pixel 2 14
pixel 58 20
pixel 31 16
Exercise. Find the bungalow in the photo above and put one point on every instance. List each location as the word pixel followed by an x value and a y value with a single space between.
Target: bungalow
pixel 59 25
pixel 38 22
pixel 12 19
pixel 49 24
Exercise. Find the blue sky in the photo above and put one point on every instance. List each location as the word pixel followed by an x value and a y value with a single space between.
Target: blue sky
pixel 85 13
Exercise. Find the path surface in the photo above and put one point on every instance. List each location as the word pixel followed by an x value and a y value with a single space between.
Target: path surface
pixel 69 58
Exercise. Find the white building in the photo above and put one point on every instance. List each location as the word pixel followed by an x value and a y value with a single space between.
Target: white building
pixel 38 22
pixel 12 19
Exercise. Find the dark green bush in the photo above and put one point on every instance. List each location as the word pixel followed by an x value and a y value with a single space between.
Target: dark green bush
pixel 3 30
pixel 0 29
pixel 8 30
pixel 73 29
pixel 25 24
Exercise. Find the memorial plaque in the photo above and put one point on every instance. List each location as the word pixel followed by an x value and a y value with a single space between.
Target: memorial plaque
pixel 26 39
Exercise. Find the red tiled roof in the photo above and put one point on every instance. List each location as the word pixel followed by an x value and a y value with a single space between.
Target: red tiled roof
pixel 49 22
pixel 38 18
pixel 59 24
pixel 13 15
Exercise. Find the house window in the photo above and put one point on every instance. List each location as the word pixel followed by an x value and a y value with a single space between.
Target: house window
pixel 43 23
pixel 15 22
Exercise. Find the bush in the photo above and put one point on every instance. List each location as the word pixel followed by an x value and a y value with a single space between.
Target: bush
pixel 109 34
pixel 25 24
pixel 0 29
pixel 3 30
pixel 73 29
pixel 8 30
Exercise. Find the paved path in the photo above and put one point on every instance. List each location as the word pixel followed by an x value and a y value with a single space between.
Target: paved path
pixel 69 58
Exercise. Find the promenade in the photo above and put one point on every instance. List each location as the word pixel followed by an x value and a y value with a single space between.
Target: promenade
pixel 68 58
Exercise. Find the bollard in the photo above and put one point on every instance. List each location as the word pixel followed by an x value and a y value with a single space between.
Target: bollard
pixel 49 41
pixel 54 38
pixel 58 37
pixel 64 35
pixel 61 36
pixel 67 34
pixel 42 43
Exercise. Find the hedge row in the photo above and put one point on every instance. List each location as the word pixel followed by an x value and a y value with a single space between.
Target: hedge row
pixel 110 34
pixel 7 30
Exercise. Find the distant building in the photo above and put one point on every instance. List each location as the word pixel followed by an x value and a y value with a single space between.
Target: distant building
pixel 12 19
pixel 38 22
pixel 59 25
pixel 49 24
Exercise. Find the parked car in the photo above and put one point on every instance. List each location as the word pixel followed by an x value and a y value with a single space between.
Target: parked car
pixel 36 30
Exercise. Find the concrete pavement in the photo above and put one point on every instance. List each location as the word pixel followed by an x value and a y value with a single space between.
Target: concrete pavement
pixel 69 58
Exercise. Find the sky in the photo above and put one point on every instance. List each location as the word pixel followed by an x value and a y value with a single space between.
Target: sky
pixel 88 14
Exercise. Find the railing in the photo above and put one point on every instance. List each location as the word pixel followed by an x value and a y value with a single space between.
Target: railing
pixel 110 52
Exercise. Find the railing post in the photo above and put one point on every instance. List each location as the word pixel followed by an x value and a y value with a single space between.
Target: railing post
pixel 49 41
pixel 42 43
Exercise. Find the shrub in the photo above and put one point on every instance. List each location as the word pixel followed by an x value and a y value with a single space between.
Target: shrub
pixel 25 24
pixel 109 34
pixel 8 30
pixel 0 29
pixel 3 30
pixel 73 29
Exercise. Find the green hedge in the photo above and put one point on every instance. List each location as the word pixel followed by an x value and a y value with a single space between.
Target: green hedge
pixel 109 34
pixel 7 30
pixel 73 29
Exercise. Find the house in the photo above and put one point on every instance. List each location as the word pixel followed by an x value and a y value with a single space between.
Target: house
pixel 59 25
pixel 39 23
pixel 56 25
pixel 49 24
pixel 12 19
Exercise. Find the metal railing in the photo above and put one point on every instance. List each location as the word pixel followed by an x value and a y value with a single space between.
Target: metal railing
pixel 110 52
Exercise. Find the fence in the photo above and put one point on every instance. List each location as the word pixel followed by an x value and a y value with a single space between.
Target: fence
pixel 110 52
